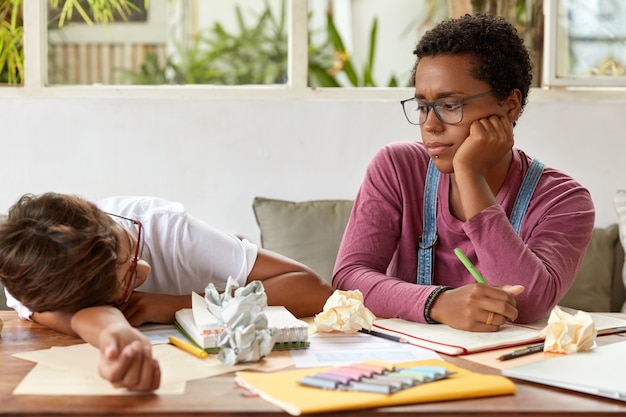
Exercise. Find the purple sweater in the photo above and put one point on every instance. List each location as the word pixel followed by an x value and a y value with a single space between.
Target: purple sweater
pixel 378 253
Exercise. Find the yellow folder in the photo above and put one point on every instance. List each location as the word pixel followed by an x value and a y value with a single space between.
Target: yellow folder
pixel 282 389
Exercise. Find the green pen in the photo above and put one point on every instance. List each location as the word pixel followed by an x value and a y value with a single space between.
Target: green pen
pixel 470 267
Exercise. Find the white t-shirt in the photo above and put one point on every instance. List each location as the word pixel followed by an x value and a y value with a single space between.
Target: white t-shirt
pixel 185 254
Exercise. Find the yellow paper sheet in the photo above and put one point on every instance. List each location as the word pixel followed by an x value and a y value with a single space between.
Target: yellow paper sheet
pixel 72 370
pixel 45 380
pixel 282 389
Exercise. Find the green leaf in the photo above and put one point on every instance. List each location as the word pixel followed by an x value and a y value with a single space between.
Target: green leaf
pixel 368 80
pixel 321 78
pixel 340 50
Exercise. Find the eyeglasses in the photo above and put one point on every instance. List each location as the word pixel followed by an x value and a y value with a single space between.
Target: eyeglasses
pixel 449 110
pixel 129 284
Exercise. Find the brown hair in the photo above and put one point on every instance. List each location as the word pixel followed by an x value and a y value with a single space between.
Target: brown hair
pixel 58 253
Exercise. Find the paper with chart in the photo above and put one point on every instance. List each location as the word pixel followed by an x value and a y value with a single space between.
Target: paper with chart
pixel 331 349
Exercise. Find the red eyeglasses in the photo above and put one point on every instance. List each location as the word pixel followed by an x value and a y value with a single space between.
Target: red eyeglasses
pixel 129 284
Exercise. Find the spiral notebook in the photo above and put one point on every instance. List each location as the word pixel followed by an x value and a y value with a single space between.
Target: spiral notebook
pixel 201 328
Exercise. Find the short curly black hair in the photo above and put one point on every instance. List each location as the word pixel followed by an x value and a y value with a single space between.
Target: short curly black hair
pixel 501 58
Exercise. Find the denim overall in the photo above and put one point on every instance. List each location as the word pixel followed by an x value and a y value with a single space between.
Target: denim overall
pixel 428 240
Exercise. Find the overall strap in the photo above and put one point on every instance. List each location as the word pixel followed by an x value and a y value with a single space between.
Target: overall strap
pixel 428 240
pixel 525 193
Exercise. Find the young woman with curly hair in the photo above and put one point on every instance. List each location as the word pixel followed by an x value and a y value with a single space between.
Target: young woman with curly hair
pixel 472 78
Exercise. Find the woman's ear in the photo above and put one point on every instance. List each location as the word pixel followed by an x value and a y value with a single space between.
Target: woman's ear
pixel 513 105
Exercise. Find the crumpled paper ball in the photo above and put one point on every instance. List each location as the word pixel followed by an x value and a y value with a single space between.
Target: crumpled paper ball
pixel 246 336
pixel 344 311
pixel 567 333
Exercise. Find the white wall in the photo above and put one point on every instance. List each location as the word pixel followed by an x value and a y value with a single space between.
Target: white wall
pixel 216 155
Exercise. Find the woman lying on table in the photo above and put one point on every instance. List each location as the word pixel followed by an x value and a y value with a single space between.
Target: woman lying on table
pixel 97 270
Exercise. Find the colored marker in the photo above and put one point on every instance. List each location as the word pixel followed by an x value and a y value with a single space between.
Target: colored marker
pixel 470 267
pixel 316 382
pixel 353 378
pixel 385 381
pixel 335 376
pixel 373 387
pixel 188 347
pixel 368 372
pixel 438 372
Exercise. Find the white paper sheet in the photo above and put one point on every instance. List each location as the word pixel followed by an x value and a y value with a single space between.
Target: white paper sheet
pixel 334 349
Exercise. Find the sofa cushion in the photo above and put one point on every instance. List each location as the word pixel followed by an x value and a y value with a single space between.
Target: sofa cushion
pixel 619 202
pixel 309 231
pixel 598 282
pixel 3 299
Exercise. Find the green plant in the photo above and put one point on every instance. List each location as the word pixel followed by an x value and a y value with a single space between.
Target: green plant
pixel 256 53
pixel 92 11
pixel 11 35
pixel 11 27
pixel 347 66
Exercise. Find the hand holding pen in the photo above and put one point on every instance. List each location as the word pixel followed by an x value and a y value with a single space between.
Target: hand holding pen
pixel 470 266
pixel 513 290
pixel 477 276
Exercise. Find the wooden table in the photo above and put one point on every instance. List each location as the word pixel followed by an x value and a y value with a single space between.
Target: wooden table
pixel 218 396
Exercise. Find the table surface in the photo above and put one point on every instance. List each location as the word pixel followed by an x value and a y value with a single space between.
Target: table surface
pixel 218 396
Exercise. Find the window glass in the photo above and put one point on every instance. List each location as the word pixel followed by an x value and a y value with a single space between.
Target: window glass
pixel 369 43
pixel 173 42
pixel 366 43
pixel 351 43
pixel 591 41
pixel 11 47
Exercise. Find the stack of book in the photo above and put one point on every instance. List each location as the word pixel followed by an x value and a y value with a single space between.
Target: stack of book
pixel 202 329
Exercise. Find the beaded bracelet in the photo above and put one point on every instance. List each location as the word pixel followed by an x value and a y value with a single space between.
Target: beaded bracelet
pixel 431 300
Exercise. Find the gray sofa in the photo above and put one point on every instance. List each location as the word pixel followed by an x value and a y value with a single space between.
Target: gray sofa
pixel 310 232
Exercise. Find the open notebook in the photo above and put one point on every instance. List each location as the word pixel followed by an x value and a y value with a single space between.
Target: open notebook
pixel 599 371
pixel 201 328
pixel 444 339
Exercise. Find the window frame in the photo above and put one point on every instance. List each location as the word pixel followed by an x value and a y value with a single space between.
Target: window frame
pixel 35 77
pixel 551 57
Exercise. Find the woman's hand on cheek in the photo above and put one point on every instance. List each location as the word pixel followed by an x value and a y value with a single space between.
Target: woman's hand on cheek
pixel 489 140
